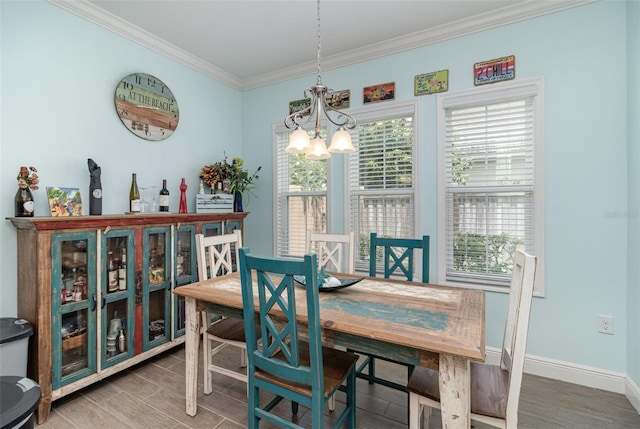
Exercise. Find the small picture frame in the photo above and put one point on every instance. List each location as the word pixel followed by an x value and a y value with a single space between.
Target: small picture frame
pixel 495 70
pixel 64 201
pixel 430 83
pixel 380 92
pixel 335 99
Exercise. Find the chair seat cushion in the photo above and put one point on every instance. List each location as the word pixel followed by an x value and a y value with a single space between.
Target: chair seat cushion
pixel 230 328
pixel 336 364
pixel 489 384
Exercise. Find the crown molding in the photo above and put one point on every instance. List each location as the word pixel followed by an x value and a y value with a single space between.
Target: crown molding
pixel 119 26
pixel 508 15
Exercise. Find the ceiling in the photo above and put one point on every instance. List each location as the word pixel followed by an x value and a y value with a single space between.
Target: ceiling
pixel 250 43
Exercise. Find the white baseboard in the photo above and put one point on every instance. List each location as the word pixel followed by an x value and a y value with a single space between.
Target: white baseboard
pixel 577 374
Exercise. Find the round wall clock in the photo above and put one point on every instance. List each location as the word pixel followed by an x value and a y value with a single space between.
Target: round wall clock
pixel 146 106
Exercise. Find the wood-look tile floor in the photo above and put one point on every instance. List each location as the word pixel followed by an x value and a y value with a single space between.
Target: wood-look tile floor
pixel 151 395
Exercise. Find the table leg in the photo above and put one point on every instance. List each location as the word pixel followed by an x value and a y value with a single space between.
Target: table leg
pixel 191 355
pixel 454 392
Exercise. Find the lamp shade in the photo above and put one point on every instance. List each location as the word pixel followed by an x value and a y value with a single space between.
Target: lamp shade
pixel 298 141
pixel 318 149
pixel 341 142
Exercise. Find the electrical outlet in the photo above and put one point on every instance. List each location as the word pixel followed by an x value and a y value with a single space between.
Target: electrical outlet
pixel 605 324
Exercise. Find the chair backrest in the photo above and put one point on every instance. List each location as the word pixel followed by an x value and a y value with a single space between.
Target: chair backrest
pixel 336 252
pixel 272 280
pixel 217 254
pixel 517 326
pixel 398 255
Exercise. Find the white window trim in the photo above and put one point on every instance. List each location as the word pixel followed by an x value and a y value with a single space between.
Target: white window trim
pixel 499 91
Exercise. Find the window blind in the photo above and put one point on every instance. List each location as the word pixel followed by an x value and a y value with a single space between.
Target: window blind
pixel 381 177
pixel 489 187
pixel 301 197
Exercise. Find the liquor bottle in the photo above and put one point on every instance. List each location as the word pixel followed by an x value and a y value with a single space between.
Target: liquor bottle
pixel 122 271
pixel 164 197
pixel 24 203
pixel 122 342
pixel 134 195
pixel 112 273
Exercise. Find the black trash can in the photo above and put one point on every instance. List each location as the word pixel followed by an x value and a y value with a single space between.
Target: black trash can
pixel 19 397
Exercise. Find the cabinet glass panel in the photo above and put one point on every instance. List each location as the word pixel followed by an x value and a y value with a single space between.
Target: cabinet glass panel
pixel 117 297
pixel 157 287
pixel 185 271
pixel 73 307
pixel 210 229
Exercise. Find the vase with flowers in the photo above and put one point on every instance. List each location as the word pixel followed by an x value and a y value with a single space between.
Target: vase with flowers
pixel 216 174
pixel 241 182
pixel 27 181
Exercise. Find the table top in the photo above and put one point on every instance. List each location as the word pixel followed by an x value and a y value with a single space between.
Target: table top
pixel 422 316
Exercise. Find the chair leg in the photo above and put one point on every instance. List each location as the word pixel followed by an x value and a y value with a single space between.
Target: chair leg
pixel 372 368
pixel 206 360
pixel 351 400
pixel 294 408
pixel 332 402
pixel 243 358
pixel 414 411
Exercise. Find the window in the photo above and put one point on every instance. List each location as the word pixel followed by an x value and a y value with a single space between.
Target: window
pixel 301 197
pixel 382 176
pixel 490 181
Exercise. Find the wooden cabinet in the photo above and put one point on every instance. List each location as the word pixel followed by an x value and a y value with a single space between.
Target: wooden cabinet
pixel 93 318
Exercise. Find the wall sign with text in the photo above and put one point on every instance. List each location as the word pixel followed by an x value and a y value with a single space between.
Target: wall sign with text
pixel 494 70
pixel 146 106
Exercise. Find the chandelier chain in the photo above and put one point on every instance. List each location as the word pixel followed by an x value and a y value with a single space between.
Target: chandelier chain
pixel 318 35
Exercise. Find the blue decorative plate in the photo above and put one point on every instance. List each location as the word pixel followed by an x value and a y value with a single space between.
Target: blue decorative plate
pixel 330 283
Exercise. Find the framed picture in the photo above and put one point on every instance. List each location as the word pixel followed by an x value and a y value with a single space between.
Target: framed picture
pixel 430 83
pixel 336 99
pixel 381 92
pixel 494 70
pixel 64 201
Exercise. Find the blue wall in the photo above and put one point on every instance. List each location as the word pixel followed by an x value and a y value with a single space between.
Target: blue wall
pixel 633 300
pixel 59 73
pixel 581 53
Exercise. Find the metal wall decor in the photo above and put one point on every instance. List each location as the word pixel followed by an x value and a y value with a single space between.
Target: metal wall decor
pixel 495 70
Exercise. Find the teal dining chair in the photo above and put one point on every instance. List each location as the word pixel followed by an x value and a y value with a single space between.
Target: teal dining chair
pixel 397 259
pixel 301 371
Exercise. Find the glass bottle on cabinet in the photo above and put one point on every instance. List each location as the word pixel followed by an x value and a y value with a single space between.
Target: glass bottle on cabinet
pixel 74 305
pixel 185 271
pixel 156 287
pixel 117 298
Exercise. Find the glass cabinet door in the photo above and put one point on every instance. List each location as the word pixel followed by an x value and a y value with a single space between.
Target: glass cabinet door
pixel 210 229
pixel 117 298
pixel 185 271
pixel 74 303
pixel 156 287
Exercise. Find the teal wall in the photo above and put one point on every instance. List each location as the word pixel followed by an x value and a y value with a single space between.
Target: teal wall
pixel 633 114
pixel 59 72
pixel 581 53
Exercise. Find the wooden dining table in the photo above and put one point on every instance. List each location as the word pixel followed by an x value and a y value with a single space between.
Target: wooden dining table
pixel 420 324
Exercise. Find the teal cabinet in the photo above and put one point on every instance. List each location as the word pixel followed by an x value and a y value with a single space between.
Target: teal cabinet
pixel 185 271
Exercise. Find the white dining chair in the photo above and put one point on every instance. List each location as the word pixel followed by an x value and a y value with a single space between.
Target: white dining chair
pixel 495 389
pixel 336 252
pixel 216 256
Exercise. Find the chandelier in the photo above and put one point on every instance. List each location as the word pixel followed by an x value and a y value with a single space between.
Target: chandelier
pixel 299 141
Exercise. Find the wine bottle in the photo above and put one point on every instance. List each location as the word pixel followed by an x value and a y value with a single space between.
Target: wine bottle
pixel 112 273
pixel 134 195
pixel 24 203
pixel 164 197
pixel 122 271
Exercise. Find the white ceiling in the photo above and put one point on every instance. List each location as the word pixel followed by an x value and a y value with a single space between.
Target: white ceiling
pixel 249 43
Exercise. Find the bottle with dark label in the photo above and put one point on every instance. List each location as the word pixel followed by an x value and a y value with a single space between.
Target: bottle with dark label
pixel 134 195
pixel 112 273
pixel 164 197
pixel 122 271
pixel 24 203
